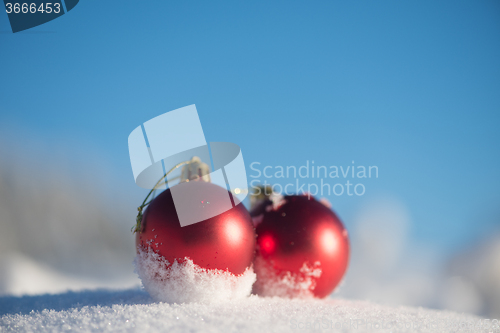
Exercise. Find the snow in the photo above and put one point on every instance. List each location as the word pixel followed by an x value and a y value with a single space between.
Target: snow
pixel 287 284
pixel 62 231
pixel 133 310
pixel 185 282
pixel 21 275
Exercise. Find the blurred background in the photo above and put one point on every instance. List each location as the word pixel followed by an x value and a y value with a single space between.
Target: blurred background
pixel 411 87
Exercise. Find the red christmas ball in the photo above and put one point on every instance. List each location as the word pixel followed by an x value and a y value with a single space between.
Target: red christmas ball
pixel 302 248
pixel 225 241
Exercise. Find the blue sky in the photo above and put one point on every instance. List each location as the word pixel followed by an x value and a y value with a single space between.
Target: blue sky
pixel 412 87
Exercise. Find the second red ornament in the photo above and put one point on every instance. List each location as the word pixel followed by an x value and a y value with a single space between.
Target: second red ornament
pixel 302 247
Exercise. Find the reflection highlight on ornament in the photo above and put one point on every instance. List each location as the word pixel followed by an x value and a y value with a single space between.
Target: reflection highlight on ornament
pixel 267 244
pixel 328 241
pixel 233 232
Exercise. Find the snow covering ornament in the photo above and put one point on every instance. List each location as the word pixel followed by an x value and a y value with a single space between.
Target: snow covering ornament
pixel 206 261
pixel 302 246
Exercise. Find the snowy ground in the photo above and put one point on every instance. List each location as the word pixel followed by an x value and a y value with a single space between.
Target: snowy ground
pixel 132 310
pixel 62 231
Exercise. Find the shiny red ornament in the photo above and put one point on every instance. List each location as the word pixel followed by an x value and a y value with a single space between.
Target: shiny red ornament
pixel 225 242
pixel 303 243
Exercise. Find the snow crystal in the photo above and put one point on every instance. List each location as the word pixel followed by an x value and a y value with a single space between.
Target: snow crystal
pixel 326 203
pixel 183 282
pixel 271 282
pixel 277 200
pixel 134 311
